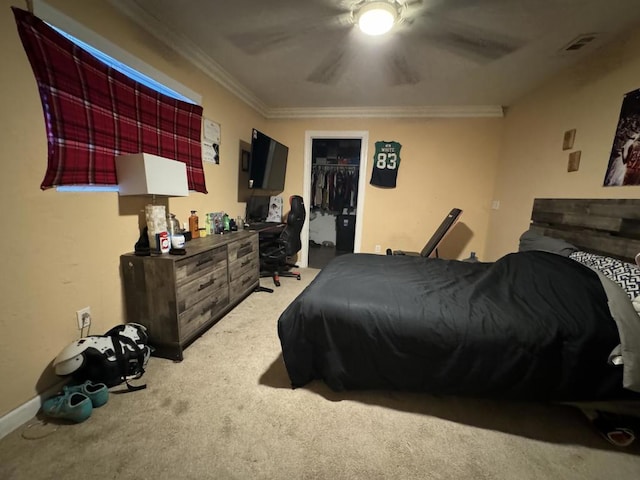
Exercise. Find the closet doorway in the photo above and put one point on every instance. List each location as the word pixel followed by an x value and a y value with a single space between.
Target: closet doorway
pixel 334 186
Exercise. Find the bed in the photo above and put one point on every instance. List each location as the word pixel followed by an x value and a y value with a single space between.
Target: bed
pixel 545 322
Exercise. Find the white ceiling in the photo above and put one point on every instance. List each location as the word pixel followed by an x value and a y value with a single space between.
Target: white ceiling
pixel 288 57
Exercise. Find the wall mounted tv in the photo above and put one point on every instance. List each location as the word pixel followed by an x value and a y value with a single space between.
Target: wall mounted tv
pixel 268 164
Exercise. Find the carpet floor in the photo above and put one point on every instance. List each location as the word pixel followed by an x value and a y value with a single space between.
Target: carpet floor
pixel 227 412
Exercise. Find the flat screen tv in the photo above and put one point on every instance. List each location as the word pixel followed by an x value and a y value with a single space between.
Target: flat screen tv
pixel 268 164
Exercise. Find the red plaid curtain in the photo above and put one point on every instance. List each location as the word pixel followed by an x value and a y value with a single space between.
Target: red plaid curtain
pixel 93 113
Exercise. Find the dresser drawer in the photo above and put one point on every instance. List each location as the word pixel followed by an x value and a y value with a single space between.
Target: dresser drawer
pixel 241 266
pixel 206 261
pixel 205 284
pixel 243 248
pixel 201 314
pixel 239 285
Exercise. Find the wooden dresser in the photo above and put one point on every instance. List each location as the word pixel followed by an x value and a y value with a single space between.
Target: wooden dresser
pixel 178 297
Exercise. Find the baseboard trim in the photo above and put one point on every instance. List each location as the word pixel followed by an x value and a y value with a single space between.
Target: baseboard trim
pixel 25 412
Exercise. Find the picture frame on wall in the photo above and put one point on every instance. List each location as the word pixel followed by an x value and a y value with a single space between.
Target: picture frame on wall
pixel 569 139
pixel 245 158
pixel 211 141
pixel 574 161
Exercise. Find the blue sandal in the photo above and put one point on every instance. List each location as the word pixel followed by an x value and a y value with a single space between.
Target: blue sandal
pixel 98 393
pixel 72 406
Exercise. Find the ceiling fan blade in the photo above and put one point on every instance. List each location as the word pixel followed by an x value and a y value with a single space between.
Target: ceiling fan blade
pixel 398 70
pixel 255 43
pixel 465 39
pixel 401 72
pixel 267 39
pixel 441 6
pixel 472 42
pixel 330 69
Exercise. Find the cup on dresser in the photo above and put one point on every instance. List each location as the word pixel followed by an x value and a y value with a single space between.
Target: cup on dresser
pixel 177 240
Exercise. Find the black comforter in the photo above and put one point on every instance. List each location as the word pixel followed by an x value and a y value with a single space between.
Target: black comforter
pixel 531 325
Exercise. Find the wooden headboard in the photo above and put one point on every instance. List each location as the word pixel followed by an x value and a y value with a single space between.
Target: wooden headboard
pixel 603 226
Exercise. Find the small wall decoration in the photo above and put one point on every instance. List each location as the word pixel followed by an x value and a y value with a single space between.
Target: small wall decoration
pixel 624 160
pixel 574 161
pixel 211 142
pixel 569 138
pixel 245 157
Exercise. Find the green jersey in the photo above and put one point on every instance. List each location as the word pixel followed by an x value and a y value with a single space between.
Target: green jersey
pixel 386 162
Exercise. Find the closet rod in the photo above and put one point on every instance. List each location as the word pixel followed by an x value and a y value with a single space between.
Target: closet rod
pixel 336 166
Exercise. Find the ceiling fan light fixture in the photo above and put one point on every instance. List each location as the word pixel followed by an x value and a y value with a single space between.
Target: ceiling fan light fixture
pixel 377 18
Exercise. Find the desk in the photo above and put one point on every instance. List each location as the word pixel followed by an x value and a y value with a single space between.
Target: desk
pixel 266 227
pixel 267 232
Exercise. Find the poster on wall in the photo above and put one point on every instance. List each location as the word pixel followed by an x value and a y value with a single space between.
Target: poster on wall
pixel 275 209
pixel 624 161
pixel 211 142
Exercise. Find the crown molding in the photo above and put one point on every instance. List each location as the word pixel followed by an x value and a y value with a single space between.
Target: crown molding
pixel 197 57
pixel 387 112
pixel 191 52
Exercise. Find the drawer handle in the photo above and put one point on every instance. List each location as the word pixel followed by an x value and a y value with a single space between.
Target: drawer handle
pixel 246 280
pixel 244 264
pixel 202 262
pixel 245 245
pixel 205 285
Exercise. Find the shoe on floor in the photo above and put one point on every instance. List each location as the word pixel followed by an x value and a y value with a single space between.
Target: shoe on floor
pixel 98 393
pixel 72 406
pixel 616 429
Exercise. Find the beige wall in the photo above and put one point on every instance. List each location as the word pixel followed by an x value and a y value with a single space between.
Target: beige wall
pixel 445 163
pixel 588 98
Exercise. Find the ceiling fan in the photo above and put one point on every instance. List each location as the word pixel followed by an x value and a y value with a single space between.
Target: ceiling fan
pixel 412 21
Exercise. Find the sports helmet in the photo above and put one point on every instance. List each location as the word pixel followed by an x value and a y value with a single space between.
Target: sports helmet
pixel 96 355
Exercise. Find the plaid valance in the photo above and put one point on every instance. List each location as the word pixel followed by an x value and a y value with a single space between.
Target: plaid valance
pixel 93 113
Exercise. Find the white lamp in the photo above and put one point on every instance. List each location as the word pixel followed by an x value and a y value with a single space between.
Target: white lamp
pixel 377 18
pixel 147 174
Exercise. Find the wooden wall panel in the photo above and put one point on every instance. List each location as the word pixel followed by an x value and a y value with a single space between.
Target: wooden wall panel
pixel 604 226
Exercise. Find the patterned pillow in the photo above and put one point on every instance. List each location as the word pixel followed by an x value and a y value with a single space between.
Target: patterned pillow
pixel 624 274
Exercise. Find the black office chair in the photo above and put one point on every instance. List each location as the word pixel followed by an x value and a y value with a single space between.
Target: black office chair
pixel 275 254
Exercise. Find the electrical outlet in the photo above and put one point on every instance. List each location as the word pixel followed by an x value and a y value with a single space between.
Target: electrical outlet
pixel 378 248
pixel 84 317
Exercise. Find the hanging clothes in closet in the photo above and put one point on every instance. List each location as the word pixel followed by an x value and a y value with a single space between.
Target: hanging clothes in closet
pixel 334 187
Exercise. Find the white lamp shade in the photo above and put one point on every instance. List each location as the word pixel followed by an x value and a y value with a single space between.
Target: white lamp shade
pixel 147 174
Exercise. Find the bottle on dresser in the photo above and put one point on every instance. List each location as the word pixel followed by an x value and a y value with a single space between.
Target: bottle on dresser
pixel 193 225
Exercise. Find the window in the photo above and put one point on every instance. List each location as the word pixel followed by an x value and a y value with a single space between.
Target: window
pixel 125 69
pixel 94 112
